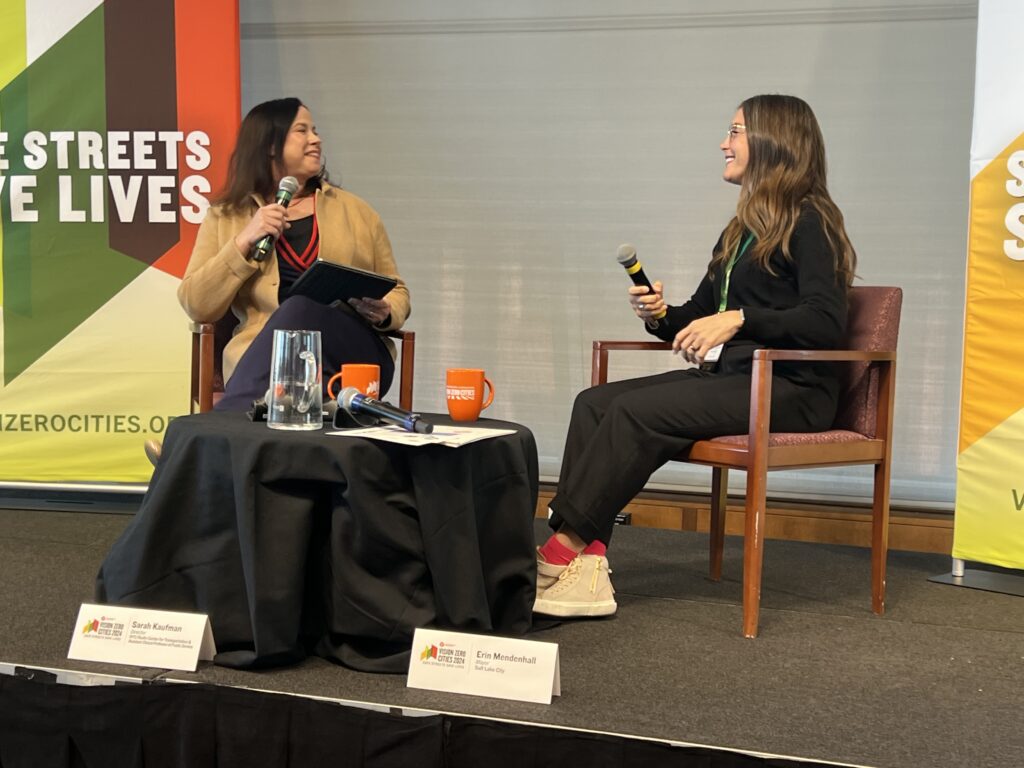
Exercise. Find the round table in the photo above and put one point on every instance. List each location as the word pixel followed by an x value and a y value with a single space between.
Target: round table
pixel 305 542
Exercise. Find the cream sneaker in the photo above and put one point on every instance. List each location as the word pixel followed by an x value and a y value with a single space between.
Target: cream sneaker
pixel 547 574
pixel 582 589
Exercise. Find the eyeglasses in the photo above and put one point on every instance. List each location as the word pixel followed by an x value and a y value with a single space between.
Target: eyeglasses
pixel 735 130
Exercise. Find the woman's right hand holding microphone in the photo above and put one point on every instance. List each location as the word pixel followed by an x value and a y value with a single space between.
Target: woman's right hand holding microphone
pixel 268 220
pixel 647 304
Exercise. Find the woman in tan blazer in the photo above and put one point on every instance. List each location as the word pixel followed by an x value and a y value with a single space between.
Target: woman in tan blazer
pixel 276 139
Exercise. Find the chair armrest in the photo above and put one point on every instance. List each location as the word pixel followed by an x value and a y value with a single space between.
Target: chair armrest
pixel 201 327
pixel 616 345
pixel 599 357
pixel 761 386
pixel 201 386
pixel 825 355
pixel 761 382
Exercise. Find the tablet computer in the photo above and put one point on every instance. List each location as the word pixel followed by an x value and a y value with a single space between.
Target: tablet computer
pixel 327 283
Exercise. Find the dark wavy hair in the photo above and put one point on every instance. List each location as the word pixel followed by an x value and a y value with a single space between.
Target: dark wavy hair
pixel 261 138
pixel 785 173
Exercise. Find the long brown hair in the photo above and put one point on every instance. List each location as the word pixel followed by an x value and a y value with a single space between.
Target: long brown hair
pixel 785 171
pixel 261 138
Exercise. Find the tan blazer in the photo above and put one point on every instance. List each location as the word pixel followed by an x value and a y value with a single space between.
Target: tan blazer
pixel 219 277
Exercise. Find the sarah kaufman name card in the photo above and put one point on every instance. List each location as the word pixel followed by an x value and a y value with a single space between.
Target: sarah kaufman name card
pixel 142 638
pixel 482 665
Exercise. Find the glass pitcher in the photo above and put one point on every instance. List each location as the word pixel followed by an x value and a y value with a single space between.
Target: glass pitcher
pixel 295 399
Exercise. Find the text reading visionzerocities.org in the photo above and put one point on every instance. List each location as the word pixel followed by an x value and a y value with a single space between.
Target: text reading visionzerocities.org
pixel 103 423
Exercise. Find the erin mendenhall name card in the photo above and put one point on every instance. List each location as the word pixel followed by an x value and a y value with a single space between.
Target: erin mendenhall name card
pixel 483 665
pixel 142 638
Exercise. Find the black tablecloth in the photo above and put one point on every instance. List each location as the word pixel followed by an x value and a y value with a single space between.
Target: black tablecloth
pixel 302 542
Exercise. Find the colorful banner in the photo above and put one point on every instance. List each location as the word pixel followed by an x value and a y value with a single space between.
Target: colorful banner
pixel 989 524
pixel 117 119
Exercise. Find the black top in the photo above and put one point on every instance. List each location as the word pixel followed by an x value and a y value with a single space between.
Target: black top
pixel 801 306
pixel 296 249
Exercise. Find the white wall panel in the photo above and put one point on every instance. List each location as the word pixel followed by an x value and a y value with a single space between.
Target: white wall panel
pixel 511 148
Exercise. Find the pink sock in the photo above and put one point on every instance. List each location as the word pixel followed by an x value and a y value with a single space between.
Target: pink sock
pixel 555 552
pixel 596 548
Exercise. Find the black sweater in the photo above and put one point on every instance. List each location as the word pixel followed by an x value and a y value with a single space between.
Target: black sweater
pixel 801 306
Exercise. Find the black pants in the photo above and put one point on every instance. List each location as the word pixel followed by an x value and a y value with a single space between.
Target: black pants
pixel 621 432
pixel 344 338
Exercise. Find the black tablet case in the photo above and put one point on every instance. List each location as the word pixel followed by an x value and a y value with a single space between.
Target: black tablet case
pixel 326 283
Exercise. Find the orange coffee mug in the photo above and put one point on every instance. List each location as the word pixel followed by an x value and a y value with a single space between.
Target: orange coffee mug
pixel 363 376
pixel 465 392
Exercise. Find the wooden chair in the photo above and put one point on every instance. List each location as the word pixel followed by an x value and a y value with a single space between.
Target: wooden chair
pixel 208 340
pixel 861 434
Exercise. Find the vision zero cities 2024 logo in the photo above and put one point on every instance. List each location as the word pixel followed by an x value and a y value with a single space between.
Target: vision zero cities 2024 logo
pixel 443 655
pixel 107 627
pixel 104 627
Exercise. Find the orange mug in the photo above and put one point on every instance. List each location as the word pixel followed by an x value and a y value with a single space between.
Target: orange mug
pixel 363 376
pixel 465 392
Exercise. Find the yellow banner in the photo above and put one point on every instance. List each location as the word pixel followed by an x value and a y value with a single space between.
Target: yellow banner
pixel 989 524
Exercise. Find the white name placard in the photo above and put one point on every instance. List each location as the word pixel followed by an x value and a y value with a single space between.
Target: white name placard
pixel 142 638
pixel 483 665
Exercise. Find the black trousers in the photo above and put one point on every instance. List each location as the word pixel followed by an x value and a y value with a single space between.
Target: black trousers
pixel 344 338
pixel 621 432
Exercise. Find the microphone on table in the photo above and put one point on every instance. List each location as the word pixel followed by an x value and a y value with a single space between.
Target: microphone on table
pixel 354 401
pixel 627 258
pixel 285 191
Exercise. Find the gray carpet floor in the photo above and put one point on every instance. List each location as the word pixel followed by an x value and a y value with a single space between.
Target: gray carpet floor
pixel 936 681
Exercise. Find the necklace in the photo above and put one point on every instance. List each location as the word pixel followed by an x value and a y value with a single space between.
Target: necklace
pixel 300 207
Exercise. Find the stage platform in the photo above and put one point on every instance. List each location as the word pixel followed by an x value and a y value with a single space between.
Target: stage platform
pixel 936 681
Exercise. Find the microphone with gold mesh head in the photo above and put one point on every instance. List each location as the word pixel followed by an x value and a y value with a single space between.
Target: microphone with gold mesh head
pixel 627 258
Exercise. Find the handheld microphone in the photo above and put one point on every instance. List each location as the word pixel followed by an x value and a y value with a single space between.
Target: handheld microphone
pixel 627 258
pixel 354 401
pixel 285 191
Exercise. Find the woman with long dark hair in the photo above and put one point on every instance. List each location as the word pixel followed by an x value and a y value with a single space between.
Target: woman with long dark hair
pixel 778 277
pixel 278 139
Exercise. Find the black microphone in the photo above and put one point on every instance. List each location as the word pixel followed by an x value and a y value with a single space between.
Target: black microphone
pixel 627 258
pixel 354 401
pixel 285 191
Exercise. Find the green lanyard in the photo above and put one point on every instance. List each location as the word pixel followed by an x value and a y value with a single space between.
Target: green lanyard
pixel 728 272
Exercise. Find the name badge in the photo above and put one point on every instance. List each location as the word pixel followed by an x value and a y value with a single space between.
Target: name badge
pixel 713 354
pixel 483 665
pixel 142 638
